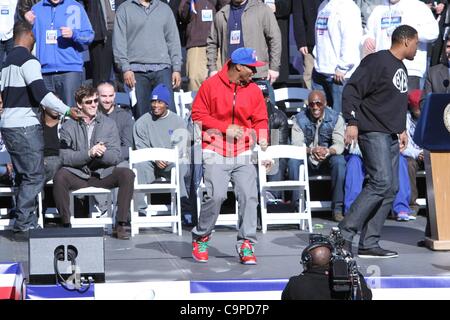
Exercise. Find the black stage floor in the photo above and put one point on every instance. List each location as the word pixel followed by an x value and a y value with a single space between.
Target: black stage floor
pixel 158 255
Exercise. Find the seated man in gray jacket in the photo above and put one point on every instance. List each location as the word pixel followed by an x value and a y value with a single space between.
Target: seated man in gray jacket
pixel 91 157
pixel 160 128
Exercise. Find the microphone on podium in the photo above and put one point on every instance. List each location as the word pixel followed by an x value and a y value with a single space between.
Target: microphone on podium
pixel 446 83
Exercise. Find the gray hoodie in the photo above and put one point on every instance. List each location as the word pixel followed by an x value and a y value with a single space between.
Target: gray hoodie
pixel 146 36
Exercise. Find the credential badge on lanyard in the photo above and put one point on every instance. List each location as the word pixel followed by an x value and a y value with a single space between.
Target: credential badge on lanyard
pixel 207 15
pixel 51 36
pixel 235 37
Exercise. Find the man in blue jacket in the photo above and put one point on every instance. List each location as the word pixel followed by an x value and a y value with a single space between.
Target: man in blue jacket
pixel 62 30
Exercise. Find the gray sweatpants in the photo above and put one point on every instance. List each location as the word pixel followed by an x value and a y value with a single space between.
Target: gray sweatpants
pixel 218 171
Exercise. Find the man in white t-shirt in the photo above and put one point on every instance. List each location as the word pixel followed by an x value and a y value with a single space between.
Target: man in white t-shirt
pixel 385 18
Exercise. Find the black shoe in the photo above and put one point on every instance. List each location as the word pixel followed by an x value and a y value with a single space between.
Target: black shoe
pixel 21 236
pixel 421 243
pixel 338 216
pixel 377 252
pixel 348 247
pixel 121 233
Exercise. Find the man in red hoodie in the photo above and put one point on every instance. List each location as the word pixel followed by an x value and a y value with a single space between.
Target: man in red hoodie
pixel 231 111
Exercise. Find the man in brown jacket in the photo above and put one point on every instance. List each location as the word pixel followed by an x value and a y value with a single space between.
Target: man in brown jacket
pixel 198 17
pixel 248 23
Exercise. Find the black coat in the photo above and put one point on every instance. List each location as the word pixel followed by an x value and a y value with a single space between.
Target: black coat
pixel 95 15
pixel 315 285
pixel 23 6
pixel 283 13
pixel 304 13
pixel 278 121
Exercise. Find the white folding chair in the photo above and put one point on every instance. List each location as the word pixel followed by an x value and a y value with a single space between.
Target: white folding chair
pixel 183 101
pixel 123 99
pixel 46 214
pixel 165 218
pixel 293 97
pixel 224 219
pixel 301 185
pixel 6 223
pixel 93 220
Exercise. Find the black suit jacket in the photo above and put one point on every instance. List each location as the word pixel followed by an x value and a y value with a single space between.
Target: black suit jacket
pixel 283 13
pixel 437 81
pixel 304 13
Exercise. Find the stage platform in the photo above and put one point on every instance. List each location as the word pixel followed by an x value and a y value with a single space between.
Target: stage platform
pixel 162 259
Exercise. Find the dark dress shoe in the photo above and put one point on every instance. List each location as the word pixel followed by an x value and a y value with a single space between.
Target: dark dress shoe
pixel 121 233
pixel 348 247
pixel 338 216
pixel 21 236
pixel 376 252
pixel 421 243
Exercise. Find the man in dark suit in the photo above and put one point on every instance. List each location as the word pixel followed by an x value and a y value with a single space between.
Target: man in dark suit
pixel 305 13
pixel 438 80
pixel 282 10
pixel 101 14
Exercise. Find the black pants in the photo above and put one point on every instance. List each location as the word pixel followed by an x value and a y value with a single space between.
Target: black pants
pixel 65 181
pixel 101 55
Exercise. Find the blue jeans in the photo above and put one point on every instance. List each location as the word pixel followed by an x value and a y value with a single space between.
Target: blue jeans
pixel 5 47
pixel 401 201
pixel 354 179
pixel 277 174
pixel 370 209
pixel 333 91
pixel 64 85
pixel 26 148
pixel 335 166
pixel 51 166
pixel 145 83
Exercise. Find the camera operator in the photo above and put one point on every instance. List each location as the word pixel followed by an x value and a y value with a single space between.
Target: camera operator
pixel 315 282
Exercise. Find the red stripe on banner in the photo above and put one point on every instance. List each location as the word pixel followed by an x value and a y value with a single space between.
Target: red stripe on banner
pixel 7 292
pixel 16 294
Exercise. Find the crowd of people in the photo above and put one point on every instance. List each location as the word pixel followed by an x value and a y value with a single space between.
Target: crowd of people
pixel 369 65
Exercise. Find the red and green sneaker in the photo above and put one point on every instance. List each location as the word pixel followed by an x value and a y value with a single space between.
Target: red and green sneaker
pixel 200 249
pixel 246 253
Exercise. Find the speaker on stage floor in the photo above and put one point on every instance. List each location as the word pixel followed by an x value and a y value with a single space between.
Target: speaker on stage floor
pixel 68 251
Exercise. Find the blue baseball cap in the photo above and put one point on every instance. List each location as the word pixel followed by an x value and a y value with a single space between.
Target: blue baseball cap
pixel 246 56
pixel 161 93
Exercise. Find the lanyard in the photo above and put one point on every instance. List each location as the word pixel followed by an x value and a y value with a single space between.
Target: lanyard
pixel 53 17
pixel 234 17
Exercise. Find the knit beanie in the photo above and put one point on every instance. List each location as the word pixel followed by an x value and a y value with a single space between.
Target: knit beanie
pixel 161 93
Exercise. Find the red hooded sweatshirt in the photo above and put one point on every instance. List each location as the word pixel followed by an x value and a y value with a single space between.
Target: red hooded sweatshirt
pixel 213 111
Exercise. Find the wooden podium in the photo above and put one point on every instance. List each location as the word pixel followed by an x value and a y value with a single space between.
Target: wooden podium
pixel 437 168
pixel 433 135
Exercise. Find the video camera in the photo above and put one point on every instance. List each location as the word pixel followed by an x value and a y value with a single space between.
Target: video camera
pixel 344 274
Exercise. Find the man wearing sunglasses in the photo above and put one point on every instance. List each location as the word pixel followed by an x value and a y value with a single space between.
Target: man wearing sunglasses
pixel 91 157
pixel 321 129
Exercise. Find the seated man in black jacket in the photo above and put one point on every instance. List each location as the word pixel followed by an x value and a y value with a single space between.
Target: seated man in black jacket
pixel 279 134
pixel 91 157
pixel 314 283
